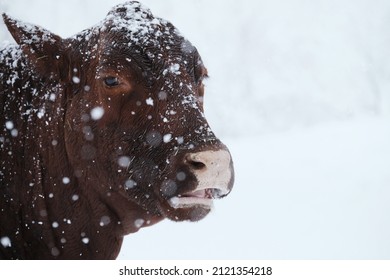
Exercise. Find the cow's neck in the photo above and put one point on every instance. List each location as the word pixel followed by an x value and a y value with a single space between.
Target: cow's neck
pixel 67 217
pixel 95 224
pixel 64 215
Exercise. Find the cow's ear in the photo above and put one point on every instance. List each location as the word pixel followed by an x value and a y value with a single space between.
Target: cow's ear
pixel 43 48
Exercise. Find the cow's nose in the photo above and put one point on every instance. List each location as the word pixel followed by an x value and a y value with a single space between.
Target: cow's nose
pixel 213 170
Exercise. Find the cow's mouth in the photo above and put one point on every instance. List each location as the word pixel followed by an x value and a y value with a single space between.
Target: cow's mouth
pixel 203 198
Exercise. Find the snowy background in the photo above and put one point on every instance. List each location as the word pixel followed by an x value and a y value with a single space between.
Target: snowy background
pixel 300 92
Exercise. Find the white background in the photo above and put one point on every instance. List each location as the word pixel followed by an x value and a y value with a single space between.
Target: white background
pixel 300 93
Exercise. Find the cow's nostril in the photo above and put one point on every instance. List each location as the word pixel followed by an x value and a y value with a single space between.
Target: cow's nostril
pixel 197 165
pixel 213 171
pixel 194 162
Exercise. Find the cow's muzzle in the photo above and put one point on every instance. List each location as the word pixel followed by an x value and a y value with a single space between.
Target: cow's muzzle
pixel 214 174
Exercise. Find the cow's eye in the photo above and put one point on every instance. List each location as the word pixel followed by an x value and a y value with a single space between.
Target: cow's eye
pixel 111 81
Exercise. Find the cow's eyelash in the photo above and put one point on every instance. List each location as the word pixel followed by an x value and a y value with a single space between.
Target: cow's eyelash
pixel 204 77
pixel 201 76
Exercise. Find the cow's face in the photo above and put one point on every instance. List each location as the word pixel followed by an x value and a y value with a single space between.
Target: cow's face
pixel 134 116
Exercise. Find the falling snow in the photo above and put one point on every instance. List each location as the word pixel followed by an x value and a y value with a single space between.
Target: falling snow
pixel 181 176
pixel 104 221
pixel 55 251
pixel 5 241
pixel 167 138
pixel 180 140
pixel 97 113
pixel 150 101
pixel 76 80
pixel 9 125
pixel 279 107
pixel 65 180
pixel 162 95
pixel 124 161
pixel 139 222
pixel 129 184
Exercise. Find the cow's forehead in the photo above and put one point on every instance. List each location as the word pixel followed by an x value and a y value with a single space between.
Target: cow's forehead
pixel 130 32
pixel 136 25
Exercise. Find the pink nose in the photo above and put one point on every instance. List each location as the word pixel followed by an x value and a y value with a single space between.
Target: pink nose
pixel 213 171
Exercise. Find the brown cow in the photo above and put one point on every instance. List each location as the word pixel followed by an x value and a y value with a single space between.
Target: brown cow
pixel 102 134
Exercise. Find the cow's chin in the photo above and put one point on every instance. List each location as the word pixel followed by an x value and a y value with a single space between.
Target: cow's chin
pixel 185 209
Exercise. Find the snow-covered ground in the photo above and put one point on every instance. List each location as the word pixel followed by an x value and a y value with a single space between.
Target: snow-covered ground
pixel 300 92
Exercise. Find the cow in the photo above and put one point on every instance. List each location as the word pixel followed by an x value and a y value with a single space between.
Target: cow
pixel 102 134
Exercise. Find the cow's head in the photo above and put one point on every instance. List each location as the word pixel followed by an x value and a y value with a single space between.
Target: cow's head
pixel 132 91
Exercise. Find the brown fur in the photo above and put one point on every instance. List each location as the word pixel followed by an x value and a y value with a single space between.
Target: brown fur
pixel 63 194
